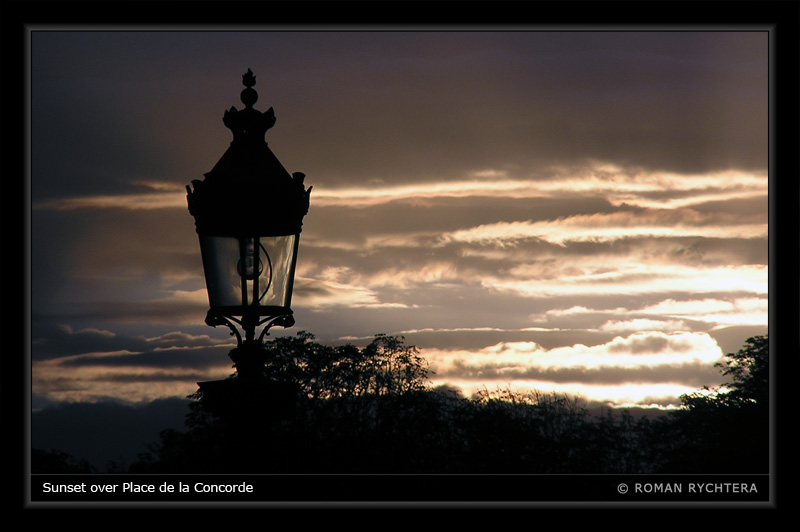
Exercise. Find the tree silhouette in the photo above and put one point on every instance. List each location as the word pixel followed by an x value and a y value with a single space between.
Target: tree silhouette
pixel 384 367
pixel 725 429
pixel 346 409
pixel 370 410
pixel 53 461
pixel 749 368
pixel 317 410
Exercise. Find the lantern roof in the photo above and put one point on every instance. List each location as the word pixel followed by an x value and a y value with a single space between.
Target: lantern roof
pixel 249 192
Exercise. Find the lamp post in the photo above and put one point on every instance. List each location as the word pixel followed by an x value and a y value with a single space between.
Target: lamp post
pixel 248 213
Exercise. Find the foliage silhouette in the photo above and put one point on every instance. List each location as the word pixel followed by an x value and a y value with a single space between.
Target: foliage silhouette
pixel 346 409
pixel 721 430
pixel 54 461
pixel 370 410
pixel 333 401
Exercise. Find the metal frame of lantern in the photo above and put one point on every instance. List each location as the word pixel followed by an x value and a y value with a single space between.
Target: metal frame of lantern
pixel 248 214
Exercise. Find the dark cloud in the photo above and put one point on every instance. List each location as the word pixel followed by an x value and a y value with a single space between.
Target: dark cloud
pixel 52 342
pixel 649 344
pixel 353 107
pixel 118 311
pixel 169 358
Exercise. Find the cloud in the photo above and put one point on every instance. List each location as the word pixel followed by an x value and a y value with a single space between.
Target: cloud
pixel 149 201
pixel 315 294
pixel 737 311
pixel 62 342
pixel 647 360
pixel 131 376
pixel 633 280
pixel 640 324
pixel 162 311
pixel 631 186
pixel 607 227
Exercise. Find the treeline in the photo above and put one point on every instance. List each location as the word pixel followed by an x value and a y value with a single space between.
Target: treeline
pixel 346 409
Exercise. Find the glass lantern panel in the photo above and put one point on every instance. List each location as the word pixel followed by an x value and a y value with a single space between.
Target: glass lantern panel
pixel 279 253
pixel 252 271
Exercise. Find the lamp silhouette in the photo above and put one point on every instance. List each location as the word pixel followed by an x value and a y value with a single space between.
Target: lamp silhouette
pixel 248 213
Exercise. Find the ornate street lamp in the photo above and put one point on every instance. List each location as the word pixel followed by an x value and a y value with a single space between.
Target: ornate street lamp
pixel 248 213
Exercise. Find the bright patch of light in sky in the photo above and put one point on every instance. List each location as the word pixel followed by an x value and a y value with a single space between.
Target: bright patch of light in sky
pixel 617 186
pixel 527 365
pixel 599 228
pixel 634 280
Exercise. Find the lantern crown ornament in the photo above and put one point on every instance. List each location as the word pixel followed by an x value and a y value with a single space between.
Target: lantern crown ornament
pixel 248 213
pixel 249 189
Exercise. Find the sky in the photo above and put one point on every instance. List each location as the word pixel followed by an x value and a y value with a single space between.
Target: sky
pixel 580 212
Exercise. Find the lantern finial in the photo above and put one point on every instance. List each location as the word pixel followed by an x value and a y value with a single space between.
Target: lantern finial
pixel 249 95
pixel 248 124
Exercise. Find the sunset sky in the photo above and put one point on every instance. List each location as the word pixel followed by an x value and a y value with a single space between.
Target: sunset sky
pixel 572 211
